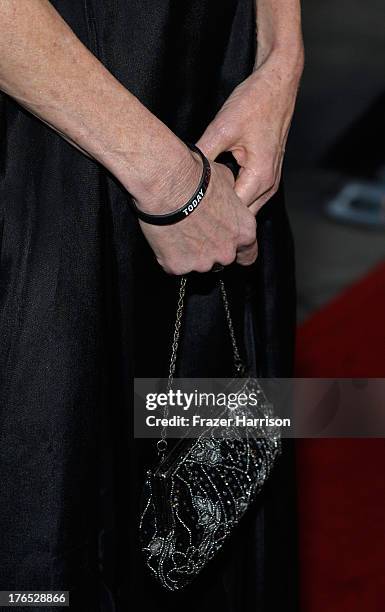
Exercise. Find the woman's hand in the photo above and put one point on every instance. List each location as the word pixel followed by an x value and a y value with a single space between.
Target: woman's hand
pixel 253 124
pixel 219 229
pixel 51 73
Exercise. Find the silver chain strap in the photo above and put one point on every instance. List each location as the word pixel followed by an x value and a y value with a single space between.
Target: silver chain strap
pixel 162 443
pixel 239 366
pixel 237 359
pixel 177 328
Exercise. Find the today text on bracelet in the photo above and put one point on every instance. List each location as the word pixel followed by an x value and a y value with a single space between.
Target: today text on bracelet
pixel 185 210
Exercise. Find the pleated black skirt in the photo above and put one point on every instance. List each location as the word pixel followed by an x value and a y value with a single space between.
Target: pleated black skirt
pixel 84 308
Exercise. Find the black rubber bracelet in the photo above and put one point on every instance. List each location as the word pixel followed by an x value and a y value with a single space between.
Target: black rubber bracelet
pixel 189 207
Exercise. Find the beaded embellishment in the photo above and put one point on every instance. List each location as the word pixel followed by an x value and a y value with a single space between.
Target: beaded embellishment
pixel 199 493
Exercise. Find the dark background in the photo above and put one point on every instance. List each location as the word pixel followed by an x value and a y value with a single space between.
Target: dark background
pixel 338 135
pixel 340 121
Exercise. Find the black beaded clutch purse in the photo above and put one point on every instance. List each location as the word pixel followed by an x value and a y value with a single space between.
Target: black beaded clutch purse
pixel 197 494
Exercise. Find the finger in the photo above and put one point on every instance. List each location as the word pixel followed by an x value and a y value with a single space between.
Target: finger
pixel 255 182
pixel 256 206
pixel 247 255
pixel 213 141
pixel 246 186
pixel 264 197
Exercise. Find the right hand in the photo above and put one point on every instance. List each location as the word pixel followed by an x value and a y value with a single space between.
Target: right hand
pixel 220 230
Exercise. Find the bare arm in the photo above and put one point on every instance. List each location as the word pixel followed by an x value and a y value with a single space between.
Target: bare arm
pixel 254 122
pixel 279 33
pixel 49 71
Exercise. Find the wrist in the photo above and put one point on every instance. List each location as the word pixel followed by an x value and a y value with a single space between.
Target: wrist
pixel 279 38
pixel 147 158
pixel 188 207
pixel 173 182
pixel 286 60
pixel 171 175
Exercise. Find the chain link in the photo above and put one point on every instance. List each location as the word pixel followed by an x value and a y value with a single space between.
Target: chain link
pixel 237 358
pixel 239 366
pixel 162 443
pixel 177 328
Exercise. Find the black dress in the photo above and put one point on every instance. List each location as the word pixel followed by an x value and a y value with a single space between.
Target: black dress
pixel 84 307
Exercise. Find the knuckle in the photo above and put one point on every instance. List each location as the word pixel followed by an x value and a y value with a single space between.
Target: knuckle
pixel 204 265
pixel 246 262
pixel 227 256
pixel 174 268
pixel 248 233
pixel 247 259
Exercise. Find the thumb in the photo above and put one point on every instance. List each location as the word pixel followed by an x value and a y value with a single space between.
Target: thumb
pixel 246 186
pixel 213 141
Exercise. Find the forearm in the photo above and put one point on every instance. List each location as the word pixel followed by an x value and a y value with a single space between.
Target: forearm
pixel 50 72
pixel 279 33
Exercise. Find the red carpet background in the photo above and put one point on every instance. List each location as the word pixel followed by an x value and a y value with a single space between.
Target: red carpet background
pixel 341 482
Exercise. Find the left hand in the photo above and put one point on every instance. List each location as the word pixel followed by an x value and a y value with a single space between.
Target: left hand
pixel 253 124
